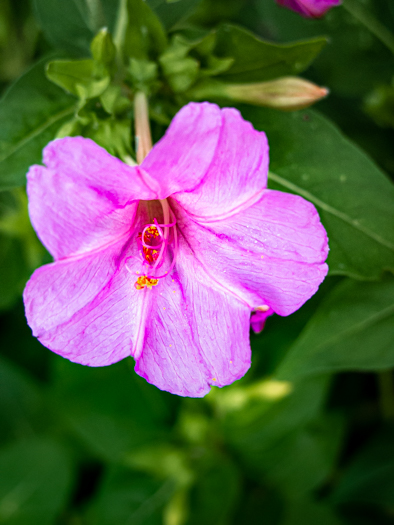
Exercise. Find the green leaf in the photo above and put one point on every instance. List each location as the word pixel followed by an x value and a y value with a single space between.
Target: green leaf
pixel 145 37
pixel 355 199
pixel 353 329
pixel 256 60
pixel 34 482
pixel 130 498
pixel 31 112
pixel 370 477
pixel 254 424
pixel 302 512
pixel 72 25
pixel 171 13
pixel 20 402
pixel 13 270
pixel 82 78
pixel 109 409
pixel 303 460
pixel 215 493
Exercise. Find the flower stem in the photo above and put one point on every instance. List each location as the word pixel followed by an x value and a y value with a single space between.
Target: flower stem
pixel 142 127
pixel 370 22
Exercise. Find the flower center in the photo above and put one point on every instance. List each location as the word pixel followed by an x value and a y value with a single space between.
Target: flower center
pixel 154 242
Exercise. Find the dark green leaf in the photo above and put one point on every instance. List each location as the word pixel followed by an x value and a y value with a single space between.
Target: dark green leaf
pixel 19 403
pixel 303 512
pixel 353 329
pixel 34 482
pixel 130 498
pixel 304 459
pixel 256 60
pixel 370 477
pixel 170 13
pixel 355 200
pixel 215 492
pixel 13 270
pixel 109 409
pixel 31 112
pixel 145 37
pixel 72 25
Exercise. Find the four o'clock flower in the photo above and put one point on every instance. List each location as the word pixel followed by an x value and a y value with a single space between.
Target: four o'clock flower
pixel 309 8
pixel 165 261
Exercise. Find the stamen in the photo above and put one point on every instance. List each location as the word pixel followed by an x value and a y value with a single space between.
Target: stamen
pixel 145 281
pixel 154 241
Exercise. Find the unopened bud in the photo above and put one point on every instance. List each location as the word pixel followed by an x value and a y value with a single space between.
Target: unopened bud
pixel 286 93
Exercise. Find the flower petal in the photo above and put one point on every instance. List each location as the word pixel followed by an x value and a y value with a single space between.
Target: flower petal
pixel 181 158
pixel 213 152
pixel 84 198
pixel 86 308
pixel 196 335
pixel 271 254
pixel 237 175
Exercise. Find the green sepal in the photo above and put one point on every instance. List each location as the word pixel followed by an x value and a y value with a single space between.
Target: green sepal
pixel 180 70
pixel 82 78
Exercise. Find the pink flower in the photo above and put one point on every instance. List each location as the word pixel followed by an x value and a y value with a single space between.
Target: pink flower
pixel 167 260
pixel 309 8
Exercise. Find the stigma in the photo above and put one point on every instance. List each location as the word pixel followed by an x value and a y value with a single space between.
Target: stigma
pixel 156 241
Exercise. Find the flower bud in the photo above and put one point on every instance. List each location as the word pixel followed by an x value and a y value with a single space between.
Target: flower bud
pixel 285 93
pixel 309 8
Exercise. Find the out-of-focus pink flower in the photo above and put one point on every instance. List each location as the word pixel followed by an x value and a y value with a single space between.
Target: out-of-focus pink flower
pixel 309 8
pixel 166 261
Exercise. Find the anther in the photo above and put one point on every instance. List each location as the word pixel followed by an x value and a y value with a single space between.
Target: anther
pixel 145 281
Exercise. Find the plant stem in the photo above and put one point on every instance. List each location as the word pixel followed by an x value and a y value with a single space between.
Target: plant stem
pixel 370 22
pixel 386 387
pixel 142 127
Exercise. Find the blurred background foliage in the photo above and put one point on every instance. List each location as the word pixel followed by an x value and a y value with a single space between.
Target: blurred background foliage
pixel 307 437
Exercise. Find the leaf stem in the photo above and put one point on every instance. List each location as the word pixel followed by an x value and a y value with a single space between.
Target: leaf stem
pixel 370 22
pixel 142 127
pixel 386 398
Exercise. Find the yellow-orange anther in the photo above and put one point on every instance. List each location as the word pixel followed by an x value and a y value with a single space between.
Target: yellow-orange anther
pixel 145 281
